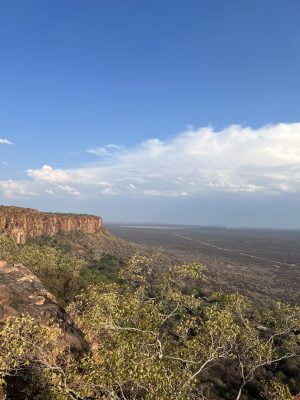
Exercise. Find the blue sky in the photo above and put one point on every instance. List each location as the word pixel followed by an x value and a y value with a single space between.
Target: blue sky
pixel 140 109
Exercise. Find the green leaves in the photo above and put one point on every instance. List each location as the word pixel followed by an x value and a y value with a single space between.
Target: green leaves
pixel 33 349
pixel 276 391
pixel 7 247
pixel 161 343
pixel 151 336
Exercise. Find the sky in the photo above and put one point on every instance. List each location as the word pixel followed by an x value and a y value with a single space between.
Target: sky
pixel 152 111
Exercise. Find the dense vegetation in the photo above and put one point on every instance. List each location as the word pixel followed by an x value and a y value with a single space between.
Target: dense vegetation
pixel 153 333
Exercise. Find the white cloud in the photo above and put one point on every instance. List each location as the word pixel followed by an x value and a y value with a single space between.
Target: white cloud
pixel 47 173
pixel 13 189
pixel 105 151
pixel 110 191
pixel 5 141
pixel 161 193
pixel 235 159
pixel 69 190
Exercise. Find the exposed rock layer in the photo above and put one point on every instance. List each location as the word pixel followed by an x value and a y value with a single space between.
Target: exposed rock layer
pixel 21 292
pixel 21 224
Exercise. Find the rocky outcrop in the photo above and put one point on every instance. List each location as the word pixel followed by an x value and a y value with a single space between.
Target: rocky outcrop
pixel 21 292
pixel 21 224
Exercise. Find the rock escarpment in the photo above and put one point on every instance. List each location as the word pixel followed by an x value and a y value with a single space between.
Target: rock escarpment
pixel 21 224
pixel 22 293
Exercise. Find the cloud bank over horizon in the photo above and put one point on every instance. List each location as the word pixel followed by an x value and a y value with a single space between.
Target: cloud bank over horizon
pixel 236 161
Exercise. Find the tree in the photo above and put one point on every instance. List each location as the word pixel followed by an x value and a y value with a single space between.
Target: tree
pixel 256 347
pixel 151 337
pixel 36 355
pixel 276 391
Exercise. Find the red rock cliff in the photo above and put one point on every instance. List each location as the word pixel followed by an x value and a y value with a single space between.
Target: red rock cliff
pixel 21 224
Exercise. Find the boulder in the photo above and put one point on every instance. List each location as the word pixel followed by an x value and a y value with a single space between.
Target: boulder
pixel 21 292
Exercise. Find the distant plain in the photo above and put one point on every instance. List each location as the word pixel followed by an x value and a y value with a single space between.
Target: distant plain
pixel 260 263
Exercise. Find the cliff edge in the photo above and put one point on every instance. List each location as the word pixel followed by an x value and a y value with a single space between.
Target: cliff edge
pixel 21 224
pixel 22 293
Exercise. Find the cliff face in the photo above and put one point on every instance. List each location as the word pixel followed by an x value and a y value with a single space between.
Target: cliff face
pixel 21 224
